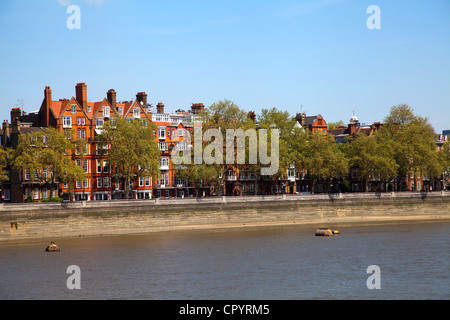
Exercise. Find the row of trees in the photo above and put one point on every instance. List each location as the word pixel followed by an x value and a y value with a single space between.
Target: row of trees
pixel 404 146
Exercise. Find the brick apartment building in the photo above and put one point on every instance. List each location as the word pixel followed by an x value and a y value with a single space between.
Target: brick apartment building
pixel 79 118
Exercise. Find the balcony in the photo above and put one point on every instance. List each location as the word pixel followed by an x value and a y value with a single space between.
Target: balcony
pixel 231 178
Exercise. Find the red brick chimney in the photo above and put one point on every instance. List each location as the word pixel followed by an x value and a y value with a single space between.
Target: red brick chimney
pixel 197 107
pixel 81 95
pixel 111 97
pixel 142 97
pixel 44 118
pixel 160 107
pixel 352 127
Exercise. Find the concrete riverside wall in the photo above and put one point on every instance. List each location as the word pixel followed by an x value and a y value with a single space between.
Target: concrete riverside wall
pixel 55 220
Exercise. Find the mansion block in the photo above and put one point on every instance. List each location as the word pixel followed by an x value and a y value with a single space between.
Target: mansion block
pixel 79 118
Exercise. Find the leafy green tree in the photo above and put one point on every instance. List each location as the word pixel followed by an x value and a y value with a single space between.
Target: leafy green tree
pixel 322 159
pixel 371 158
pixel 4 155
pixel 335 125
pixel 285 124
pixel 133 152
pixel 414 143
pixel 48 154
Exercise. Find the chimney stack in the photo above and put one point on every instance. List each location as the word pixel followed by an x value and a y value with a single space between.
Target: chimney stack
pixel 352 127
pixel 197 107
pixel 160 107
pixel 111 97
pixel 81 95
pixel 142 97
pixel 252 116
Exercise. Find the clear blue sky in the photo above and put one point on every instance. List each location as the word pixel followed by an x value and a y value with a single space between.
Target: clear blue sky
pixel 257 53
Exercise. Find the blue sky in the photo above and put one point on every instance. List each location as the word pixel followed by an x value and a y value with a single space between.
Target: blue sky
pixel 258 53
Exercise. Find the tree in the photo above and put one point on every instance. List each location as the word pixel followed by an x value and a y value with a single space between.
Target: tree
pixel 335 125
pixel 413 141
pixel 48 154
pixel 370 157
pixel 225 115
pixel 285 124
pixel 134 152
pixel 322 159
pixel 4 154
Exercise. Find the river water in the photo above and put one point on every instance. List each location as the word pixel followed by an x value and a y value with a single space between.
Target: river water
pixel 255 263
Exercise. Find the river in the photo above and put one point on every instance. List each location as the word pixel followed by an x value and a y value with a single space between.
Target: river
pixel 246 263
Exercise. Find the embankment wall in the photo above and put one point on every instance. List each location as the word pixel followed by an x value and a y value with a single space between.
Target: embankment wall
pixel 55 220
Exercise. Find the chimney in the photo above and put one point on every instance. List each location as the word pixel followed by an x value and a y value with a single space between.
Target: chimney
pixel 47 104
pixel 142 97
pixel 111 97
pixel 160 107
pixel 15 114
pixel 301 117
pixel 81 95
pixel 352 127
pixel 252 116
pixel 6 132
pixel 197 107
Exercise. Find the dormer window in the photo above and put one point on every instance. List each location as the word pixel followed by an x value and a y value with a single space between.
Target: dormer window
pixel 106 112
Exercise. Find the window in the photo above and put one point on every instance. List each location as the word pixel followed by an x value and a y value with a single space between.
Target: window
pixel 36 194
pixel 85 166
pixel 44 173
pixel 163 179
pixel 88 109
pixel 67 122
pixel 86 183
pixel 164 162
pixel 163 146
pixel 74 109
pixel 99 166
pixel 136 112
pixel 180 132
pixel 106 112
pixel 120 110
pixel 105 166
pixel 99 122
pixel 105 182
pixel 162 133
pixel 78 184
pixel 147 181
pixel 141 181
pixel 27 174
pixel 99 182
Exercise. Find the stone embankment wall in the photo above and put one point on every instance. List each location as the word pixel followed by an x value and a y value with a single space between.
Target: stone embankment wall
pixel 55 220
